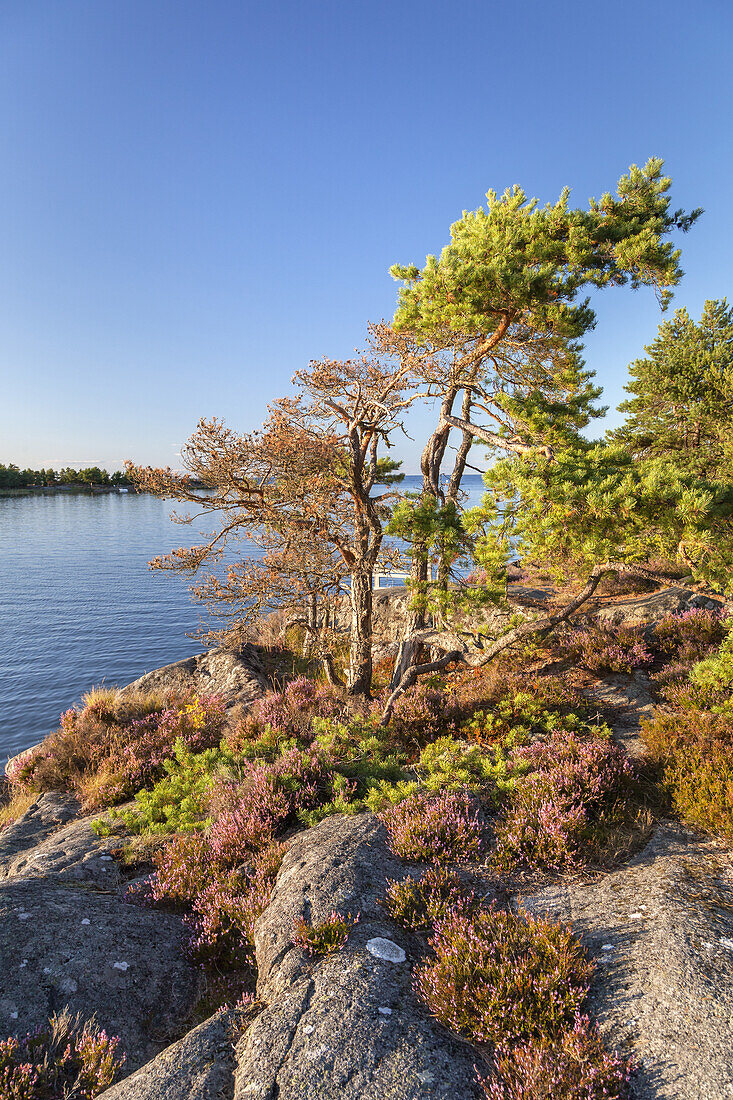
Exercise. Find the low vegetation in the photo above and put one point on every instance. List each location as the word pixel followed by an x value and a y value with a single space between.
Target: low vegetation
pixel 118 743
pixel 68 1058
pixel 496 977
pixel 327 937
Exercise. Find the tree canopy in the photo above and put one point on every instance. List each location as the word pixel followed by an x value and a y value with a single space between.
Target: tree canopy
pixel 682 393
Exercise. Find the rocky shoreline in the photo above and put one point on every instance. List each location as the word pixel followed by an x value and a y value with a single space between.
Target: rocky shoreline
pixel 659 930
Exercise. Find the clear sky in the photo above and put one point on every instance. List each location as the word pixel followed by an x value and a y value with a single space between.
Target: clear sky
pixel 200 196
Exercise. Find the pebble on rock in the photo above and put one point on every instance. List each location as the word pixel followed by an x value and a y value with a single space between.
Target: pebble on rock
pixel 381 948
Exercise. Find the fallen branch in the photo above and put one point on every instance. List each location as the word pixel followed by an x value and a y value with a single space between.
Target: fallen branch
pixel 405 676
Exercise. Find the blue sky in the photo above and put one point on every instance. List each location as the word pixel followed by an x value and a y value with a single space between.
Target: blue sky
pixel 200 197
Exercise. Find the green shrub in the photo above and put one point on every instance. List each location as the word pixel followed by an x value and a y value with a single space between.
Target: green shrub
pixel 695 750
pixel 179 801
pixel 327 937
pixel 418 903
pixel 712 678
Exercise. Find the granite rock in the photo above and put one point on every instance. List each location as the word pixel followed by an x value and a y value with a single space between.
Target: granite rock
pixel 348 1026
pixel 661 933
pixel 238 678
pixel 200 1066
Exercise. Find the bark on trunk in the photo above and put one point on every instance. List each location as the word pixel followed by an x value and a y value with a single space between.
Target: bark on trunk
pixel 329 668
pixel 360 664
pixel 311 625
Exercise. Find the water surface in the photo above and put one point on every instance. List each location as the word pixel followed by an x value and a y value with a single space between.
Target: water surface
pixel 79 606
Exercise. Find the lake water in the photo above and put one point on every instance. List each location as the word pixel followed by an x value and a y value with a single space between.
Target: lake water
pixel 79 606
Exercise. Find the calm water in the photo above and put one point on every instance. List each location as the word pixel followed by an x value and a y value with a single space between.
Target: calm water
pixel 79 606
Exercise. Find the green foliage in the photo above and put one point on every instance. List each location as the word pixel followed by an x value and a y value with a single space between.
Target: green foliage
pixel 438 534
pixel 327 937
pixel 179 801
pixel 596 503
pixel 449 764
pixel 682 403
pixel 695 750
pixel 712 678
pixel 13 478
pixel 522 717
pixel 533 261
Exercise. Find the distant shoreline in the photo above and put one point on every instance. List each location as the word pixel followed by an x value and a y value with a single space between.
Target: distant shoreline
pixel 54 490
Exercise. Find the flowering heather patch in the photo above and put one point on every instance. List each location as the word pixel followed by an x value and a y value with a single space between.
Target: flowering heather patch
pixel 289 713
pixel 689 635
pixel 67 1058
pixel 602 647
pixel 138 754
pixel 222 902
pixel 443 828
pixel 15 766
pixel 224 914
pixel 573 784
pixel 418 903
pixel 573 1066
pixel 708 684
pixel 497 977
pixel 185 868
pixel 327 937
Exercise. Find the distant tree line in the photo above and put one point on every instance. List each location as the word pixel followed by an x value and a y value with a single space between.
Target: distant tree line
pixel 11 477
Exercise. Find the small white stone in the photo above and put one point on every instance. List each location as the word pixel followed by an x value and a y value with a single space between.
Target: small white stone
pixel 425 1078
pixel 121 966
pixel 608 947
pixel 308 1029
pixel 635 916
pixel 381 948
pixel 106 857
pixel 727 943
pixel 47 970
pixel 24 916
pixel 23 964
pixel 385 1011
pixel 86 921
pixel 13 1015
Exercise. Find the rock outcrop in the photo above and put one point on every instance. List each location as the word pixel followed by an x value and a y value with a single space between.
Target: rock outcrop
pixel 67 937
pixel 200 1066
pixel 632 702
pixel 661 933
pixel 237 678
pixel 648 609
pixel 348 1026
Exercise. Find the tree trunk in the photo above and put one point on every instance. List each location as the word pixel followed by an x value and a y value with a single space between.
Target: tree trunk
pixel 311 625
pixel 329 668
pixel 360 664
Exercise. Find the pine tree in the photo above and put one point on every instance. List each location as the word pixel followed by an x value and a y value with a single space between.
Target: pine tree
pixel 682 403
